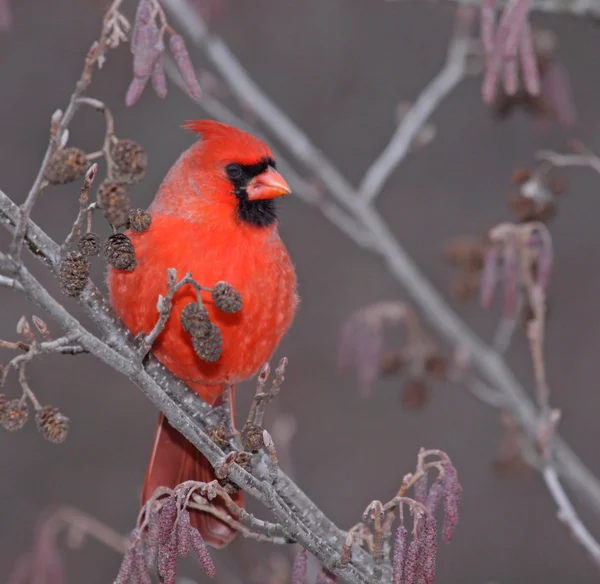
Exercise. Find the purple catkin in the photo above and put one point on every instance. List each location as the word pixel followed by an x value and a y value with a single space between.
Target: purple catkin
pixel 152 540
pixel 452 494
pixel 143 16
pixel 166 520
pixel 557 89
pixel 429 539
pixel 135 90
pixel 514 26
pixel 126 569
pixel 167 560
pixel 493 64
pixel 140 573
pixel 184 64
pixel 183 533
pixel 201 552
pixel 489 278
pixel 412 564
pixel 159 81
pixel 420 489
pixel 529 66
pixel 434 497
pixel 510 77
pixel 148 50
pixel 400 549
pixel 300 567
pixel 487 16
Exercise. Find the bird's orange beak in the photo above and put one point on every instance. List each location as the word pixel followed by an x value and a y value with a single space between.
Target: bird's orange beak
pixel 267 185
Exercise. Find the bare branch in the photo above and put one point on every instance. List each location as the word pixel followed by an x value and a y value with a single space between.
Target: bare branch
pixel 427 102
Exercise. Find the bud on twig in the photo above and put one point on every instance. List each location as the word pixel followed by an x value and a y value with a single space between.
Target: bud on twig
pixel 119 252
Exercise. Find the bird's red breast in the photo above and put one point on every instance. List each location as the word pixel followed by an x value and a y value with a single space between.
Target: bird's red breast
pixel 196 228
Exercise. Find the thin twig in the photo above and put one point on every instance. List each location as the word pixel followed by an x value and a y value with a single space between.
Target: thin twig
pixel 429 100
pixel 94 54
pixel 84 209
pixel 590 160
pixel 568 515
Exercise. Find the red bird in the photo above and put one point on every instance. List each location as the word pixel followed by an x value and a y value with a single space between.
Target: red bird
pixel 214 216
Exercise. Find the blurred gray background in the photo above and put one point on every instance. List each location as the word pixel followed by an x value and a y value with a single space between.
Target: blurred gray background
pixel 339 69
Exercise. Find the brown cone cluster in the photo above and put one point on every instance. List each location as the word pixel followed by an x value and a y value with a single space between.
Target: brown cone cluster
pixel 226 297
pixel 130 161
pixel 53 425
pixel 89 245
pixel 66 165
pixel 206 336
pixel 120 252
pixel 14 414
pixel 114 202
pixel 139 220
pixel 74 272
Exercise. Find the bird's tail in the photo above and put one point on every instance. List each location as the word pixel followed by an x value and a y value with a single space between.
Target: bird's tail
pixel 175 460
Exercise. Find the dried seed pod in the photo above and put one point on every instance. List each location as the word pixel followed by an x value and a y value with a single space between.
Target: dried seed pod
pixel 195 320
pixel 119 252
pixel 114 201
pixel 74 273
pixel 435 365
pixel 3 403
pixel 219 435
pixel 52 424
pixel 66 165
pixel 414 394
pixel 521 175
pixel 226 297
pixel 139 220
pixel 209 347
pixel 15 414
pixel 89 244
pixel 252 438
pixel 390 363
pixel 526 209
pixel 130 161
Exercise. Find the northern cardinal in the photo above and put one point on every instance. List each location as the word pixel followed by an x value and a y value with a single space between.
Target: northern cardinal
pixel 214 216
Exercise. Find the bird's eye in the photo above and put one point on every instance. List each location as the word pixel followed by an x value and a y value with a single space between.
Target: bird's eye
pixel 234 171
